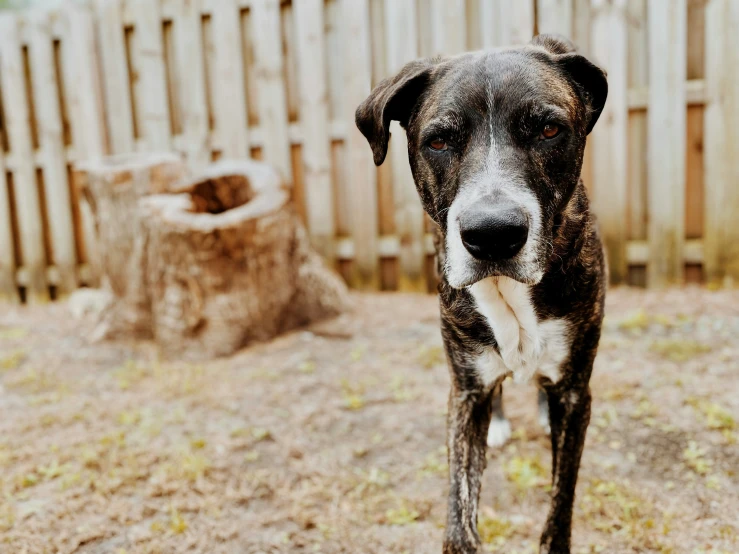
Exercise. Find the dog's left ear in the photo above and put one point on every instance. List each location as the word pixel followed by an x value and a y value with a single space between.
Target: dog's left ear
pixel 589 79
pixel 392 100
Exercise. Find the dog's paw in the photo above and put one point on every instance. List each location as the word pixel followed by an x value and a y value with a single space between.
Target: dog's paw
pixel 544 423
pixel 499 432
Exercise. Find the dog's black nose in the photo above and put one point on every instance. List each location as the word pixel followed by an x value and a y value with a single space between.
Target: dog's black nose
pixel 493 232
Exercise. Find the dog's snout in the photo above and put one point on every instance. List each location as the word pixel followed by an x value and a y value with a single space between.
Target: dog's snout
pixel 493 232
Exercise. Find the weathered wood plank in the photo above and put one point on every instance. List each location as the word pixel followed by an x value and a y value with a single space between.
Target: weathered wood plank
pixel 555 16
pixel 609 138
pixel 153 108
pixel 638 78
pixel 45 90
pixel 448 26
pixel 721 138
pixel 666 140
pixel 118 105
pixel 517 22
pixel 18 124
pixel 360 169
pixel 187 21
pixel 271 93
pixel 402 40
pixel 313 101
pixel 229 94
pixel 8 291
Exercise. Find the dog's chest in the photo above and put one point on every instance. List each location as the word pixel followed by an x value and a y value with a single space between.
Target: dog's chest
pixel 526 346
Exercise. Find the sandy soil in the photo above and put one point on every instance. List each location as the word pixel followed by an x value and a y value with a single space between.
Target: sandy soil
pixel 332 440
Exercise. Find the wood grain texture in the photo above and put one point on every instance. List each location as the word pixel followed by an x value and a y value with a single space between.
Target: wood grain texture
pixel 609 138
pixel 667 21
pixel 721 138
pixel 19 123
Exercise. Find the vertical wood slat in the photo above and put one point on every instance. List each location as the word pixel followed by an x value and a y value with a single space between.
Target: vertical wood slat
pixel 638 77
pixel 8 292
pixel 229 98
pixel 666 140
pixel 115 76
pixel 152 106
pixel 18 124
pixel 83 92
pixel 401 34
pixel 721 138
pixel 517 22
pixel 191 71
pixel 45 90
pixel 609 142
pixel 271 95
pixel 555 16
pixel 448 26
pixel 360 171
pixel 313 99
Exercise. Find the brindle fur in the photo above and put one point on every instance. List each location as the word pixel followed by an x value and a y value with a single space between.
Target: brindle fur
pixel 502 91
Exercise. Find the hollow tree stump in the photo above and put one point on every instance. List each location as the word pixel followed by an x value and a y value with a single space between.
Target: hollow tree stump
pixel 228 262
pixel 112 187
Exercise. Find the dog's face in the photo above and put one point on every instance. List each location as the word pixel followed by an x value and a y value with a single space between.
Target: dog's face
pixel 495 143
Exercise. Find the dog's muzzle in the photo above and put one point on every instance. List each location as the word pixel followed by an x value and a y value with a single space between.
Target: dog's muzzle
pixel 493 232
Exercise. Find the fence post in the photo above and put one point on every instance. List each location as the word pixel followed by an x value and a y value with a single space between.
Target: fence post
pixel 8 292
pixel 721 139
pixel 667 29
pixel 609 145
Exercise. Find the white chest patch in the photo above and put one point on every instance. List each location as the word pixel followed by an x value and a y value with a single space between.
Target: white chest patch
pixel 527 346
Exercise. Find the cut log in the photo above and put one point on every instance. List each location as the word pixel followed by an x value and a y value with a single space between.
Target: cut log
pixel 112 187
pixel 228 262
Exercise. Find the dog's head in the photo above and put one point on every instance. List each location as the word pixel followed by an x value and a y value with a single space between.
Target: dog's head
pixel 495 143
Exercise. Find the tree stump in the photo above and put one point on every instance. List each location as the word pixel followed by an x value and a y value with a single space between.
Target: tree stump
pixel 112 187
pixel 228 262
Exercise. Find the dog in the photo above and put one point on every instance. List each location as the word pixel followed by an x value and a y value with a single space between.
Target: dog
pixel 495 145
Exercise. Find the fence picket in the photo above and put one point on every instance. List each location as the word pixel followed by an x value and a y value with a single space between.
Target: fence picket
pixel 555 16
pixel 448 26
pixel 721 137
pixel 609 144
pixel 8 292
pixel 114 63
pixel 401 36
pixel 360 170
pixel 18 124
pixel 45 87
pixel 271 96
pixel 666 140
pixel 152 107
pixel 191 83
pixel 228 85
pixel 314 115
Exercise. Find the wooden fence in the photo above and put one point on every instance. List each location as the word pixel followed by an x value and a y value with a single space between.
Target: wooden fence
pixel 279 80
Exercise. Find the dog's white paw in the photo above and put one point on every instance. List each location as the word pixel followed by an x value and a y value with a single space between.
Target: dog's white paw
pixel 499 432
pixel 544 423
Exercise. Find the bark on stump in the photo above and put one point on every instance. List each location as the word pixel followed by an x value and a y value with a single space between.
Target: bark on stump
pixel 112 187
pixel 228 262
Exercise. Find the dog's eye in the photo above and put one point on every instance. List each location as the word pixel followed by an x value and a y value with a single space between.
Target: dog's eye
pixel 438 144
pixel 549 131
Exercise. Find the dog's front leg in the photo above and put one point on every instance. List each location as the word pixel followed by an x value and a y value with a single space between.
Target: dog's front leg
pixel 468 422
pixel 569 415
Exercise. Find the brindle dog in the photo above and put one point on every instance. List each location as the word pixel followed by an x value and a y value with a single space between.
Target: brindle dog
pixel 495 143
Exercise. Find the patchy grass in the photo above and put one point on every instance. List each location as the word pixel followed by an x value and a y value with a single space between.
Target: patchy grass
pixel 679 349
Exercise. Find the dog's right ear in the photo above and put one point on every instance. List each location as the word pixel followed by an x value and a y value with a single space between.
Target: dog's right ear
pixel 392 100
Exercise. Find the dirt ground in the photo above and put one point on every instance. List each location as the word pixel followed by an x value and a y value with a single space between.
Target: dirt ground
pixel 333 440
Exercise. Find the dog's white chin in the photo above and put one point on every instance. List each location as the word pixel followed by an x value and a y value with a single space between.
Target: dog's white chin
pixel 463 279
